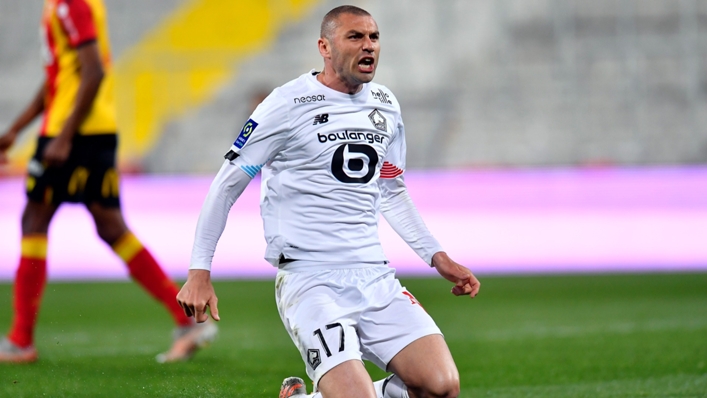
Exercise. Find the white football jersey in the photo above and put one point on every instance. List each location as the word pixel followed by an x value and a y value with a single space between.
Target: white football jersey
pixel 322 153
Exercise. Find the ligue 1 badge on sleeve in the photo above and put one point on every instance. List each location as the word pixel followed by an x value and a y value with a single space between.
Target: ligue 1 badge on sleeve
pixel 247 130
pixel 378 120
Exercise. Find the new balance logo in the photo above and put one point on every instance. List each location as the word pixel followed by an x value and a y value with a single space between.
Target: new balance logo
pixel 321 119
pixel 381 96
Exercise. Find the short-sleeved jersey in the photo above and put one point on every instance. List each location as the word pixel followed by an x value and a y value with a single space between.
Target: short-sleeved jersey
pixel 322 153
pixel 66 26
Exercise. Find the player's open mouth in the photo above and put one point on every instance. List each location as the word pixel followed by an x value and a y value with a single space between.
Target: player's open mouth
pixel 365 64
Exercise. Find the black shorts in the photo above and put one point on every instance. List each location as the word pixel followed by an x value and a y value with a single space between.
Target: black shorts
pixel 88 175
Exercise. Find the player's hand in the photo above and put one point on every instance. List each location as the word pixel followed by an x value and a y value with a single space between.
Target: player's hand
pixel 57 151
pixel 197 294
pixel 6 141
pixel 465 283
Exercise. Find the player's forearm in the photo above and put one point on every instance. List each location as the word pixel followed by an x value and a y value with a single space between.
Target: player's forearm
pixel 402 215
pixel 229 184
pixel 33 109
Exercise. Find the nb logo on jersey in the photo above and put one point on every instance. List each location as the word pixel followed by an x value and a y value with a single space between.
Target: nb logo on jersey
pixel 321 119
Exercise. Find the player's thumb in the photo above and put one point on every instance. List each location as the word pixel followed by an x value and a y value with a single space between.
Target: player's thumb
pixel 213 308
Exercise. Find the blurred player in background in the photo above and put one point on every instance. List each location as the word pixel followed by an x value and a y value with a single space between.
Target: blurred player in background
pixel 75 162
pixel 332 145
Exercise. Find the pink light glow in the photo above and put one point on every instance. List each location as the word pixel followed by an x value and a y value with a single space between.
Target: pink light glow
pixel 515 221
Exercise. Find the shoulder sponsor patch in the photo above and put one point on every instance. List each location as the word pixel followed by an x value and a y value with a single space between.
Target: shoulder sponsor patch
pixel 381 96
pixel 247 130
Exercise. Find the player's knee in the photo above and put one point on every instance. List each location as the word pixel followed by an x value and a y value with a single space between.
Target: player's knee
pixel 110 225
pixel 438 385
pixel 444 387
pixel 109 233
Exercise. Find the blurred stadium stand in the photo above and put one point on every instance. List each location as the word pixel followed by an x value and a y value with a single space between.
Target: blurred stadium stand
pixel 504 85
pixel 482 83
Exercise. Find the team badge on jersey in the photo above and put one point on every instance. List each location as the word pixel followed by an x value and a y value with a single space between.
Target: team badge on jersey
pixel 313 358
pixel 378 120
pixel 247 130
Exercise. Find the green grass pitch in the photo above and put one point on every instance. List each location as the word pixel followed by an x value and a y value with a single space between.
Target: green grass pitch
pixel 535 336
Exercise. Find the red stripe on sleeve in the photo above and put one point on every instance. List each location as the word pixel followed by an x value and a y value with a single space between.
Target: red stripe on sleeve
pixel 390 171
pixel 77 21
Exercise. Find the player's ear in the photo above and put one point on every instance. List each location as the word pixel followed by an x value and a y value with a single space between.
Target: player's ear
pixel 324 47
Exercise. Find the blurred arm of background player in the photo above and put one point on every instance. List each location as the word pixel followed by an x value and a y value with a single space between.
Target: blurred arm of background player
pixel 34 109
pixel 58 149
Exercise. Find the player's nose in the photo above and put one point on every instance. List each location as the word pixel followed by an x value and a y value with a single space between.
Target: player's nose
pixel 368 45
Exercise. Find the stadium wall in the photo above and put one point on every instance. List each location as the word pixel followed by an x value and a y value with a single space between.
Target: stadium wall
pixel 496 222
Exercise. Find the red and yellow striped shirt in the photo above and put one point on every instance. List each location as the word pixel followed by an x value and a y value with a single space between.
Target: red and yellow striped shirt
pixel 66 26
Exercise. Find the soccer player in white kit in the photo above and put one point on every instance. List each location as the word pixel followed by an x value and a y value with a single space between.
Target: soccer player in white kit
pixel 331 146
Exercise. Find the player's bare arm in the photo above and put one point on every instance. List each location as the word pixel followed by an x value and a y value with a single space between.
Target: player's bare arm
pixel 33 109
pixel 57 151
pixel 197 294
pixel 465 283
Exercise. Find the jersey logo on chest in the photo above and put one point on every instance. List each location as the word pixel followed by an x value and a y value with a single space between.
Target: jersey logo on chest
pixel 321 119
pixel 381 96
pixel 378 120
pixel 351 136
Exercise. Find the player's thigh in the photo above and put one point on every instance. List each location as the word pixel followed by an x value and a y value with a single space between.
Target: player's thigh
pixel 347 380
pixel 392 320
pixel 320 315
pixel 426 365
pixel 52 185
pixel 101 193
pixel 87 175
pixel 97 154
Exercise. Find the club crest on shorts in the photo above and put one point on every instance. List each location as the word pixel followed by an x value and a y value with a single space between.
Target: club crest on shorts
pixel 378 120
pixel 313 358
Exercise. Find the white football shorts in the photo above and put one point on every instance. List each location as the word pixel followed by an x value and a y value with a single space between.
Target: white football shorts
pixel 357 312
